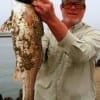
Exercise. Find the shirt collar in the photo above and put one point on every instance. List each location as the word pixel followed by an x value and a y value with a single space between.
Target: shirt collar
pixel 76 27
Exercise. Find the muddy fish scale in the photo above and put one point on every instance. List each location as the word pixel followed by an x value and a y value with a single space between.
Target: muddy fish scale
pixel 27 34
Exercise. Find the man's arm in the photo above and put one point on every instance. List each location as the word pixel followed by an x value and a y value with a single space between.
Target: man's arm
pixel 45 10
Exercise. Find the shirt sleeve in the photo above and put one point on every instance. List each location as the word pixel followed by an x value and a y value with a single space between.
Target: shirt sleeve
pixel 84 49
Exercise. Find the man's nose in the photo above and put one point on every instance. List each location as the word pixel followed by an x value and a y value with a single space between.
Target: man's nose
pixel 73 7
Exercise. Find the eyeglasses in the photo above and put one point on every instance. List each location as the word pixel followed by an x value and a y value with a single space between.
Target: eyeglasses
pixel 76 5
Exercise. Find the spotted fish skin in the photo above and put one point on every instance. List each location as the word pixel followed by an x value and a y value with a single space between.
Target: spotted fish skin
pixel 27 31
pixel 27 34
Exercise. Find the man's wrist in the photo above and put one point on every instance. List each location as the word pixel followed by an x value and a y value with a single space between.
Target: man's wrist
pixel 58 28
pixel 51 20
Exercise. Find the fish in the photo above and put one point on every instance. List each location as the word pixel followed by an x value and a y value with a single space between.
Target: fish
pixel 27 31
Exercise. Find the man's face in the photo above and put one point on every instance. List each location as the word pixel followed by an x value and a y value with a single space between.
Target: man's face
pixel 73 11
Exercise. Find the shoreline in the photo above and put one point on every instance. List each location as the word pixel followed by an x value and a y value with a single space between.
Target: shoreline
pixel 5 34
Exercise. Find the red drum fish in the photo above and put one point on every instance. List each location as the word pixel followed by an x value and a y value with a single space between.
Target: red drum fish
pixel 27 30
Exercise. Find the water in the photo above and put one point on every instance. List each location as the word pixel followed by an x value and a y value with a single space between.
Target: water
pixel 8 87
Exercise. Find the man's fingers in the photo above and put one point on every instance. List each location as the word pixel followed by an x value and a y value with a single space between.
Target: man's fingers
pixel 40 7
pixel 36 2
pixel 44 1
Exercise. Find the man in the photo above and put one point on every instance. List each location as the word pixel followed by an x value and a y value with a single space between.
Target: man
pixel 70 48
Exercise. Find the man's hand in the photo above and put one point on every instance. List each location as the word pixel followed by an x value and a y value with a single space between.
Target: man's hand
pixel 45 9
